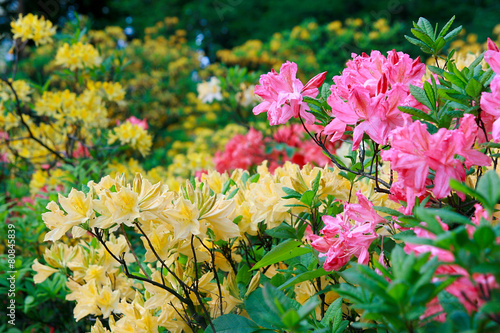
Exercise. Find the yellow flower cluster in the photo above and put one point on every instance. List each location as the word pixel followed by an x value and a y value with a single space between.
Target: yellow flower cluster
pixel 181 228
pixel 77 56
pixel 300 44
pixel 22 88
pixel 68 107
pixel 47 180
pixel 134 135
pixel 32 27
pixel 113 91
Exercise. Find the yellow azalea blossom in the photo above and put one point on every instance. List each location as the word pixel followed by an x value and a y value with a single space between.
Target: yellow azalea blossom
pixel 32 27
pixel 133 135
pixel 42 271
pixel 77 56
pixel 184 218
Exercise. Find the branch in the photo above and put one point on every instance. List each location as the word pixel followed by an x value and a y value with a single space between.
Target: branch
pixel 32 136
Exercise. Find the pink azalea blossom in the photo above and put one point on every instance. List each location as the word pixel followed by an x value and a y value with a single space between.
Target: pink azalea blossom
pixel 283 95
pixel 490 104
pixel 472 291
pixel 492 56
pixel 414 152
pixel 368 93
pixel 245 151
pixel 136 121
pixel 242 151
pixel 343 239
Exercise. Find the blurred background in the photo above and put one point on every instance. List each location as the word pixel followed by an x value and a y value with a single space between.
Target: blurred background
pixel 222 24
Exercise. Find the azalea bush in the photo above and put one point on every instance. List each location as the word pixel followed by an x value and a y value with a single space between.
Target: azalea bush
pixel 374 208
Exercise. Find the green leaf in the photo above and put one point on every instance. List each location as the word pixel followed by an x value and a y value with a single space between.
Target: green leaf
pixel 303 277
pixel 420 96
pixel 473 88
pixel 429 92
pixel 454 79
pixel 316 182
pixel 232 323
pixel 417 113
pixel 284 251
pixel 284 230
pixel 291 194
pixel 449 216
pixel 331 313
pixel 484 236
pixel 489 187
pixel 446 27
pixel 417 42
pixel 452 34
pixel 423 37
pixel 389 211
pixel 308 197
pixel 459 186
pixel 426 26
pixel 255 178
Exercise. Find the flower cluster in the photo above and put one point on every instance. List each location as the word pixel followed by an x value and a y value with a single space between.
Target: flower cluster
pixel 283 95
pixel 414 152
pixel 490 102
pixel 368 93
pixel 473 290
pixel 288 143
pixel 77 56
pixel 343 239
pixel 133 133
pixel 32 27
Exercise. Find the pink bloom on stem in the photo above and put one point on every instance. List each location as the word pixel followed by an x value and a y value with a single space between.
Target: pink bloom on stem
pixel 414 151
pixel 283 95
pixel 492 56
pixel 368 93
pixel 490 103
pixel 343 239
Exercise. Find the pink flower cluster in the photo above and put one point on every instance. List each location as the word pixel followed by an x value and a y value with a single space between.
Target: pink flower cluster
pixel 283 95
pixel 415 152
pixel 471 290
pixel 343 239
pixel 136 121
pixel 245 151
pixel 490 102
pixel 368 93
pixel 241 152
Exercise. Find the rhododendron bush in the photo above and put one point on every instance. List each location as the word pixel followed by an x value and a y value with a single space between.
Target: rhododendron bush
pixel 368 203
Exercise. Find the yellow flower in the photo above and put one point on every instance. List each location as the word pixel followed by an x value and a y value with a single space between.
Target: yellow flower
pixel 77 56
pixel 184 217
pixel 31 27
pixel 107 300
pixel 134 135
pixel 42 271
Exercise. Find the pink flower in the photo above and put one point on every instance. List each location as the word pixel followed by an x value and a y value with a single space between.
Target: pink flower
pixel 368 93
pixel 242 151
pixel 342 239
pixel 141 123
pixel 414 152
pixel 81 151
pixel 490 103
pixel 492 56
pixel 283 94
pixel 472 291
pixel 245 151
